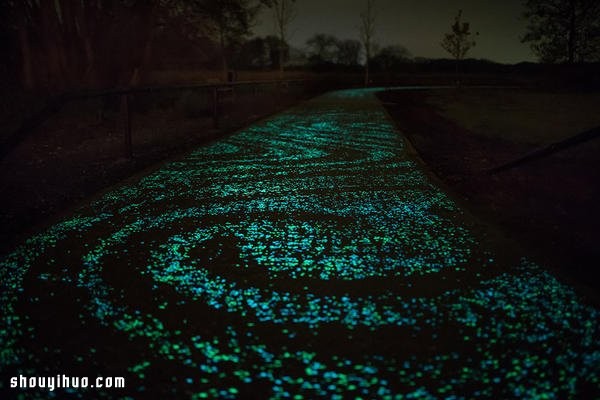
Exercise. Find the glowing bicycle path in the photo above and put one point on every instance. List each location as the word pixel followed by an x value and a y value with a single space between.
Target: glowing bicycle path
pixel 307 256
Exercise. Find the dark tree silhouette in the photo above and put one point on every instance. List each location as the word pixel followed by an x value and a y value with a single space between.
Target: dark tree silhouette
pixel 274 49
pixel 348 52
pixel 65 44
pixel 253 53
pixel 71 40
pixel 260 52
pixel 458 42
pixel 284 13
pixel 367 32
pixel 230 21
pixel 564 30
pixel 391 58
pixel 58 45
pixel 323 49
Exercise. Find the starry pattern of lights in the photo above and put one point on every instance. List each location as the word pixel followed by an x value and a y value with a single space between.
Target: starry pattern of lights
pixel 307 256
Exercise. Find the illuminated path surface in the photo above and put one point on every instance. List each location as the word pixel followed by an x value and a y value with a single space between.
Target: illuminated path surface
pixel 307 256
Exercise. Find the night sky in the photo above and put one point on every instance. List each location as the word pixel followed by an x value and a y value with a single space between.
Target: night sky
pixel 419 25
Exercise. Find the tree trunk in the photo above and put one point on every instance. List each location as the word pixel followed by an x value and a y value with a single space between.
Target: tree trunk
pixel 51 50
pixel 89 73
pixel 457 72
pixel 26 64
pixel 281 22
pixel 281 69
pixel 142 30
pixel 145 58
pixel 368 58
pixel 572 32
pixel 224 63
pixel 89 76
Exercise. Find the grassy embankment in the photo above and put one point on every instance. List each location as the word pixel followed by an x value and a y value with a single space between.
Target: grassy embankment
pixel 527 117
pixel 551 205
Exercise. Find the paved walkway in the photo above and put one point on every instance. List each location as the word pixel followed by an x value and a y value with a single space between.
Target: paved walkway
pixel 306 256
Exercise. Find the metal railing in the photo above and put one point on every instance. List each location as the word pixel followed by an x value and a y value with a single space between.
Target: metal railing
pixel 218 92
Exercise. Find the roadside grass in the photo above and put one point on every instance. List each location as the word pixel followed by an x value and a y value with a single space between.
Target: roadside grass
pixel 520 116
pixel 549 205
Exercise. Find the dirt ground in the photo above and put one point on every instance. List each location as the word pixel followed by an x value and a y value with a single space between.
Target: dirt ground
pixel 550 206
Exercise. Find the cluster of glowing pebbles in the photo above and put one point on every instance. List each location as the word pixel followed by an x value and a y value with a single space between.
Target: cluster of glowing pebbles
pixel 306 256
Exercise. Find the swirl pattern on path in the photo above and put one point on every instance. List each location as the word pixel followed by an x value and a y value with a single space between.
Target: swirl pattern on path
pixel 306 256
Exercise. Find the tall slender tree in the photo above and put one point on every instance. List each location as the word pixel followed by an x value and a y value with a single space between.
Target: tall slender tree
pixel 367 33
pixel 458 42
pixel 284 12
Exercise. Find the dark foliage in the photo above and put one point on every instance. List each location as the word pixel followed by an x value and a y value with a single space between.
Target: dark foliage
pixel 564 30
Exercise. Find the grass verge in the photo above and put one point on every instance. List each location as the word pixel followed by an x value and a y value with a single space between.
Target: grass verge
pixel 550 205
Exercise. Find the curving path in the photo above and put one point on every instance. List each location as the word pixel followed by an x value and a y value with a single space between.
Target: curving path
pixel 307 256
